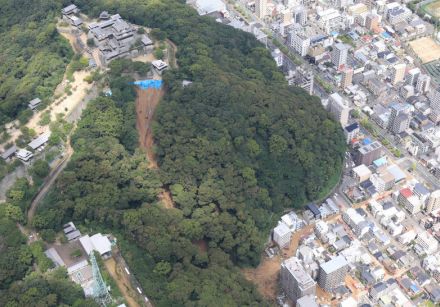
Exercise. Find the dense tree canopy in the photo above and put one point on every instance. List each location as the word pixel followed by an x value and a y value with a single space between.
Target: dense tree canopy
pixel 33 55
pixel 234 147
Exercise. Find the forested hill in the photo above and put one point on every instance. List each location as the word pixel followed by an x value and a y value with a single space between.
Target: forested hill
pixel 33 56
pixel 234 148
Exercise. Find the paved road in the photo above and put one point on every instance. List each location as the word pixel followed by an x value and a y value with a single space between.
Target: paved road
pixel 50 180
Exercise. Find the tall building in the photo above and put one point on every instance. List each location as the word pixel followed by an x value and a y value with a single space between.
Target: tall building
pixel 433 203
pixel 398 73
pixel 368 153
pixel 372 22
pixel 339 107
pixel 282 235
pixel 261 8
pixel 423 83
pixel 286 16
pixel 347 77
pixel 399 117
pixel 332 273
pixel 300 15
pixel 301 78
pixel 339 54
pixel 295 280
pixel 435 99
pixel 299 41
pixel 412 76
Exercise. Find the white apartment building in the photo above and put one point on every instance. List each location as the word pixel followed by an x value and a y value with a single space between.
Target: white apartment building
pixel 339 54
pixel 427 242
pixel 339 107
pixel 299 41
pixel 433 203
pixel 330 20
pixel 282 235
pixel 398 73
pixel 260 8
pixel 423 83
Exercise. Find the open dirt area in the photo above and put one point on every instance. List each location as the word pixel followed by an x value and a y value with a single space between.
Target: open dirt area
pixel 426 49
pixel 433 8
pixel 122 282
pixel 265 276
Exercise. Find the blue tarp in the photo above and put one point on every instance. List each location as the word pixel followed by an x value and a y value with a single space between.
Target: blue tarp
pixel 146 84
pixel 366 141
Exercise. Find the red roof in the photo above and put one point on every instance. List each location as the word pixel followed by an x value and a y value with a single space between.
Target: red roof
pixel 406 192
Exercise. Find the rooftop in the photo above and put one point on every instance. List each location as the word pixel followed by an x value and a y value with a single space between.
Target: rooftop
pixel 334 264
pixel 297 270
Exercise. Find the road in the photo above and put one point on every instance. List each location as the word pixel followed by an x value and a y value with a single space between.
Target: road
pixel 50 180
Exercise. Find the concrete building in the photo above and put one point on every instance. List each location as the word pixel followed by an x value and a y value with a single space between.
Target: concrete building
pixel 368 153
pixel 412 76
pixel 282 235
pixel 434 98
pixel 332 273
pixel 399 117
pixel 361 173
pixel 339 107
pixel 427 242
pixel 351 132
pixel 295 280
pixel 398 14
pixel 339 54
pixel 307 301
pixel 372 22
pixel 299 41
pixel 300 15
pixel 398 73
pixel 356 222
pixel 423 83
pixel 347 77
pixel 261 8
pixel 330 20
pixel 433 203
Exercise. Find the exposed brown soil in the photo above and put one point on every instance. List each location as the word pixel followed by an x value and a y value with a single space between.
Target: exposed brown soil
pixel 122 281
pixel 146 103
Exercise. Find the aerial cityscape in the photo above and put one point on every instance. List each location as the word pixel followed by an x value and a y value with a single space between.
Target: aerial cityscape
pixel 220 153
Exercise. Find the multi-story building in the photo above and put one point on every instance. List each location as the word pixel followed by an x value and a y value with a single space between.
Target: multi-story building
pixel 300 15
pixel 347 77
pixel 427 242
pixel 399 119
pixel 282 235
pixel 301 78
pixel 260 8
pixel 423 83
pixel 434 98
pixel 433 203
pixel 307 301
pixel 330 20
pixel 398 73
pixel 398 14
pixel 299 41
pixel 339 107
pixel 368 153
pixel 351 131
pixel 339 54
pixel 332 273
pixel 372 22
pixel 356 222
pixel 295 280
pixel 412 76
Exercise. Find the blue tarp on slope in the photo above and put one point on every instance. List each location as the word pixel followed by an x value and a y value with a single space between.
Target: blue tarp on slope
pixel 146 84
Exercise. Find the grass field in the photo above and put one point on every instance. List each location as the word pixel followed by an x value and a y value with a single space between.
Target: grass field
pixel 433 8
